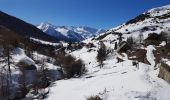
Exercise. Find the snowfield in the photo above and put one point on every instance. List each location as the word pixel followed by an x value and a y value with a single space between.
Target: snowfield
pixel 115 81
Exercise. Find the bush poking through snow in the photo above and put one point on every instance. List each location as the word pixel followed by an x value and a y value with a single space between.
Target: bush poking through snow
pixel 71 66
pixel 94 98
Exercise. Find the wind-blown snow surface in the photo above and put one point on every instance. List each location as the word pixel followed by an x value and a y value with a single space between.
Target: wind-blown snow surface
pixel 115 81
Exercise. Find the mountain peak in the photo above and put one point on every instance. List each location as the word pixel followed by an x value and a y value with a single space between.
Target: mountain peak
pixel 76 33
pixel 166 7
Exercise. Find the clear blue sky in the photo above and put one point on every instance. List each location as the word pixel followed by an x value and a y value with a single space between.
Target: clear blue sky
pixel 95 13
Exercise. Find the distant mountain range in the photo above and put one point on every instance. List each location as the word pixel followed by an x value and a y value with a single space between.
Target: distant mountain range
pixel 69 33
pixel 47 31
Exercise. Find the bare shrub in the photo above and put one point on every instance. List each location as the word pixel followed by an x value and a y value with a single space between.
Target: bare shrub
pixel 94 98
pixel 71 66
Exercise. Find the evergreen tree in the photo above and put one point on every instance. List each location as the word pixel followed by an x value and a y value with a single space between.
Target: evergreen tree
pixel 102 54
pixel 130 41
pixel 115 46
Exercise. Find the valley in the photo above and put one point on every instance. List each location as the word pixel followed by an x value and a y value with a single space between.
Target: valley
pixel 50 62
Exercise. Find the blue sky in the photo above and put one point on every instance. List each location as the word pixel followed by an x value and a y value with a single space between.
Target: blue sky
pixel 95 13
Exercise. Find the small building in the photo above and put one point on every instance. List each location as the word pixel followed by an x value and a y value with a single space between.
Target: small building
pixel 139 55
pixel 152 39
pixel 123 47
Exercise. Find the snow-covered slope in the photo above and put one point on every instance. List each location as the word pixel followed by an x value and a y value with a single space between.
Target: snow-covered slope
pixel 153 21
pixel 69 32
pixel 115 81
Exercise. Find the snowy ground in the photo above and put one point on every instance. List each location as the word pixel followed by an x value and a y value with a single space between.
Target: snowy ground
pixel 115 81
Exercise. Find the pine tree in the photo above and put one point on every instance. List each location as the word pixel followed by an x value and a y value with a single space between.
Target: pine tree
pixel 115 46
pixel 101 56
pixel 130 41
pixel 120 38
pixel 7 61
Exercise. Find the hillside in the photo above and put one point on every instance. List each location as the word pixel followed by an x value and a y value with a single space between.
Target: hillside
pixel 23 28
pixel 153 21
pixel 21 63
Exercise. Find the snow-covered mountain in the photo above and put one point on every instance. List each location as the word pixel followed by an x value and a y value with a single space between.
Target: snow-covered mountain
pixel 69 33
pixel 155 20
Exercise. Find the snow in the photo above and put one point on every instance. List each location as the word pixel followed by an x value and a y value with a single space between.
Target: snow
pixel 44 42
pixel 150 55
pixel 163 43
pixel 111 37
pixel 160 10
pixel 156 25
pixel 115 81
pixel 167 61
pixel 19 55
pixel 84 31
pixel 118 81
pixel 62 30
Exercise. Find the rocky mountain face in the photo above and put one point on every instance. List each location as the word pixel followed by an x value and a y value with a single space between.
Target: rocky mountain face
pixel 69 33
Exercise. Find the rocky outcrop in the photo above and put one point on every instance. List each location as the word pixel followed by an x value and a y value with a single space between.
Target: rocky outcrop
pixel 164 72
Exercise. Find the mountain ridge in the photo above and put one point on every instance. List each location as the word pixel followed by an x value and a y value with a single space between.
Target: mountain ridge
pixel 155 20
pixel 71 33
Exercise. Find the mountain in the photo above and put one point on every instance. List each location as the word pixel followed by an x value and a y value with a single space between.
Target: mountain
pixel 69 33
pixel 155 20
pixel 98 69
pixel 23 28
